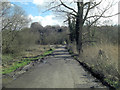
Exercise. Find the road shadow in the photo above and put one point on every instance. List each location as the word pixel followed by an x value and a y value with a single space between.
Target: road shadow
pixel 60 51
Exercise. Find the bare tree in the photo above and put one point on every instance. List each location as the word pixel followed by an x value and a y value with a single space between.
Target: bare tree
pixel 82 15
pixel 5 6
pixel 5 10
pixel 13 19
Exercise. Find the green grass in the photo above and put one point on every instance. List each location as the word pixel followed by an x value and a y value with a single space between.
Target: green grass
pixel 113 83
pixel 48 52
pixel 23 62
pixel 14 67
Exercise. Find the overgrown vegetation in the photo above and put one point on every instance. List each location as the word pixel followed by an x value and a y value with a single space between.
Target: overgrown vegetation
pixel 49 34
pixel 19 41
pixel 101 55
pixel 23 62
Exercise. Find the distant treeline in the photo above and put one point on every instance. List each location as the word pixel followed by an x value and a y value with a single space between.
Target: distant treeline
pixel 49 34
pixel 104 34
pixel 14 41
pixel 97 34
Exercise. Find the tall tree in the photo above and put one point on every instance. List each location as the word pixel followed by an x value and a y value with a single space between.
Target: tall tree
pixel 82 15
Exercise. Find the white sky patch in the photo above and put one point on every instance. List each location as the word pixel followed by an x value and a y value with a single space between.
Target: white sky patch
pixel 47 20
pixel 12 5
pixel 40 2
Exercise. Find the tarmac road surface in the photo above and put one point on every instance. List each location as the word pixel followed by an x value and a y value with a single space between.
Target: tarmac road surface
pixel 59 70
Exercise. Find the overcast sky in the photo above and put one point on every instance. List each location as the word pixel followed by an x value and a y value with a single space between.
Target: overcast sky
pixel 35 8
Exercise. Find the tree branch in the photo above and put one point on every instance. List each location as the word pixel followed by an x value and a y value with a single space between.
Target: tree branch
pixel 86 12
pixel 99 16
pixel 103 16
pixel 52 8
pixel 96 4
pixel 67 6
pixel 71 13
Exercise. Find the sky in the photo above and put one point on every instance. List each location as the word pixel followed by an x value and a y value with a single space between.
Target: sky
pixel 35 11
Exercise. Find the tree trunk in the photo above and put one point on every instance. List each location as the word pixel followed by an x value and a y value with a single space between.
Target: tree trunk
pixel 79 26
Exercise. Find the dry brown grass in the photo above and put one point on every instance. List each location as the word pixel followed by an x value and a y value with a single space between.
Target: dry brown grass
pixel 109 53
pixel 102 58
pixel 36 50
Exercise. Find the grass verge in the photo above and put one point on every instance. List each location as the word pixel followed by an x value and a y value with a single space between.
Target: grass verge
pixel 24 62
pixel 101 60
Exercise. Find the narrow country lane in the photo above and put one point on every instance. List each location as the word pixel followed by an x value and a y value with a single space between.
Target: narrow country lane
pixel 59 70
